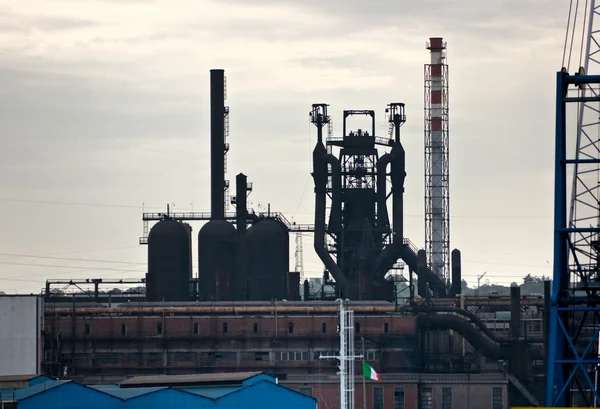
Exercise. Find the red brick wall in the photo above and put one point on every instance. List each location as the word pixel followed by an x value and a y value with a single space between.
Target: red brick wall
pixel 328 394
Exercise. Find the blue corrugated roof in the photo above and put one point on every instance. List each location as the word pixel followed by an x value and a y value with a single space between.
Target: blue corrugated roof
pixel 214 392
pixel 35 389
pixel 125 393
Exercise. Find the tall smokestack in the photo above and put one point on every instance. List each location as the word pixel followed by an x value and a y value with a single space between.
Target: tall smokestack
pixel 437 154
pixel 217 144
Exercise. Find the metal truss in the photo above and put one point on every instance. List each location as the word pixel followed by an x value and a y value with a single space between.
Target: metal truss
pixel 573 361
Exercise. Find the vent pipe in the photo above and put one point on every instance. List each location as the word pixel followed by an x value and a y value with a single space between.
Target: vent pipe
pixel 217 144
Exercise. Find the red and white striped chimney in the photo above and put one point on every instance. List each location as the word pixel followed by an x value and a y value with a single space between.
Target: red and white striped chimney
pixel 437 197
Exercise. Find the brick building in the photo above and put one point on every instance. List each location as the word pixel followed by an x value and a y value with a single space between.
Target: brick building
pixel 97 344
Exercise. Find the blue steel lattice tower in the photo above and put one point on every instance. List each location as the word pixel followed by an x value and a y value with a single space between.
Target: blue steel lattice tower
pixel 573 361
pixel 437 194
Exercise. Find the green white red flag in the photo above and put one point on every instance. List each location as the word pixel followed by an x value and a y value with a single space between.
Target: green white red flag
pixel 369 372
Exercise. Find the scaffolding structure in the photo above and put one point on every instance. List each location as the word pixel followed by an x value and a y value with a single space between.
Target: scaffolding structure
pixel 437 194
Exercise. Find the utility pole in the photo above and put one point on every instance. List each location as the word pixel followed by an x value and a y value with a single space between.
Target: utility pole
pixel 479 277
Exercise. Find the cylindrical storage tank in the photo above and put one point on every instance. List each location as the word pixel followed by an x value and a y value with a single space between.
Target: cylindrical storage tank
pixel 456 287
pixel 217 243
pixel 169 261
pixel 269 251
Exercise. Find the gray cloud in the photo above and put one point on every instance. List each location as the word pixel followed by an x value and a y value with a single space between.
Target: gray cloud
pixel 61 23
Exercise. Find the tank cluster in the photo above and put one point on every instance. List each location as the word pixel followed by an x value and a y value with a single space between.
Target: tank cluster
pixel 234 264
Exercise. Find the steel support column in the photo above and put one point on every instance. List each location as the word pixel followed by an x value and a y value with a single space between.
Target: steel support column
pixel 572 362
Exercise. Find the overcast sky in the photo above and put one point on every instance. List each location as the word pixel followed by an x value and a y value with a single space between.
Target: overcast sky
pixel 104 106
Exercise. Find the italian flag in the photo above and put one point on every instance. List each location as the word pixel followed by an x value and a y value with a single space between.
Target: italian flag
pixel 369 372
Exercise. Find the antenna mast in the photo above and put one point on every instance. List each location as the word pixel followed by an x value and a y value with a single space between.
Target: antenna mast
pixel 346 357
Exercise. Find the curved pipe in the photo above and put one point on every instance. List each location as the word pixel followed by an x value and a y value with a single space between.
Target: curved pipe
pixel 398 174
pixel 320 161
pixel 382 213
pixel 474 318
pixel 335 216
pixel 472 335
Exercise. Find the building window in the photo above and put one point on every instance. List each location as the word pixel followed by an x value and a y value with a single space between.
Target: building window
pixel 378 398
pixel 86 329
pixel 372 355
pixel 261 356
pixel 291 355
pixel 324 328
pixel 224 328
pixel 357 327
pixel 123 329
pixel 446 398
pixel 385 328
pixel 399 397
pixel 159 328
pixel 196 328
pixel 305 391
pixel 255 328
pixel 291 327
pixel 426 398
pixel 497 398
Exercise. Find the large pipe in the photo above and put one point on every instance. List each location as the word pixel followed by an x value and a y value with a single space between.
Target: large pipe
pixel 383 219
pixel 217 144
pixel 515 313
pixel 240 282
pixel 392 252
pixel 456 287
pixel 241 210
pixel 398 174
pixel 473 336
pixel 466 313
pixel 335 215
pixel 320 179
pixel 422 289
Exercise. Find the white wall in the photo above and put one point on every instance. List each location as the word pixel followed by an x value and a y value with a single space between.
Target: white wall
pixel 20 334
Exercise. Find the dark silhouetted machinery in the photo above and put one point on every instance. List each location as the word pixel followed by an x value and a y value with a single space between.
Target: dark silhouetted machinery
pixel 358 233
pixel 356 241
pixel 234 264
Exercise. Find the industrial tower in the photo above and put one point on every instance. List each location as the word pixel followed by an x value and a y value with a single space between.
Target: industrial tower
pixel 573 360
pixel 358 245
pixel 437 195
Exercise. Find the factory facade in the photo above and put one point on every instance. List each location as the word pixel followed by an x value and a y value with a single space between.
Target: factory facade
pixel 227 317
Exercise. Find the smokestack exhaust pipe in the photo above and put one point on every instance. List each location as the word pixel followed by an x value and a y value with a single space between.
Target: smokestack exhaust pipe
pixel 217 144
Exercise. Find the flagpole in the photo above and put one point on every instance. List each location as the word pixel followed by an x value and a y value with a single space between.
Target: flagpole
pixel 364 379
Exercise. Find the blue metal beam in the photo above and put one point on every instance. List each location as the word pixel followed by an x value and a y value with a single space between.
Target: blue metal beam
pixel 571 361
